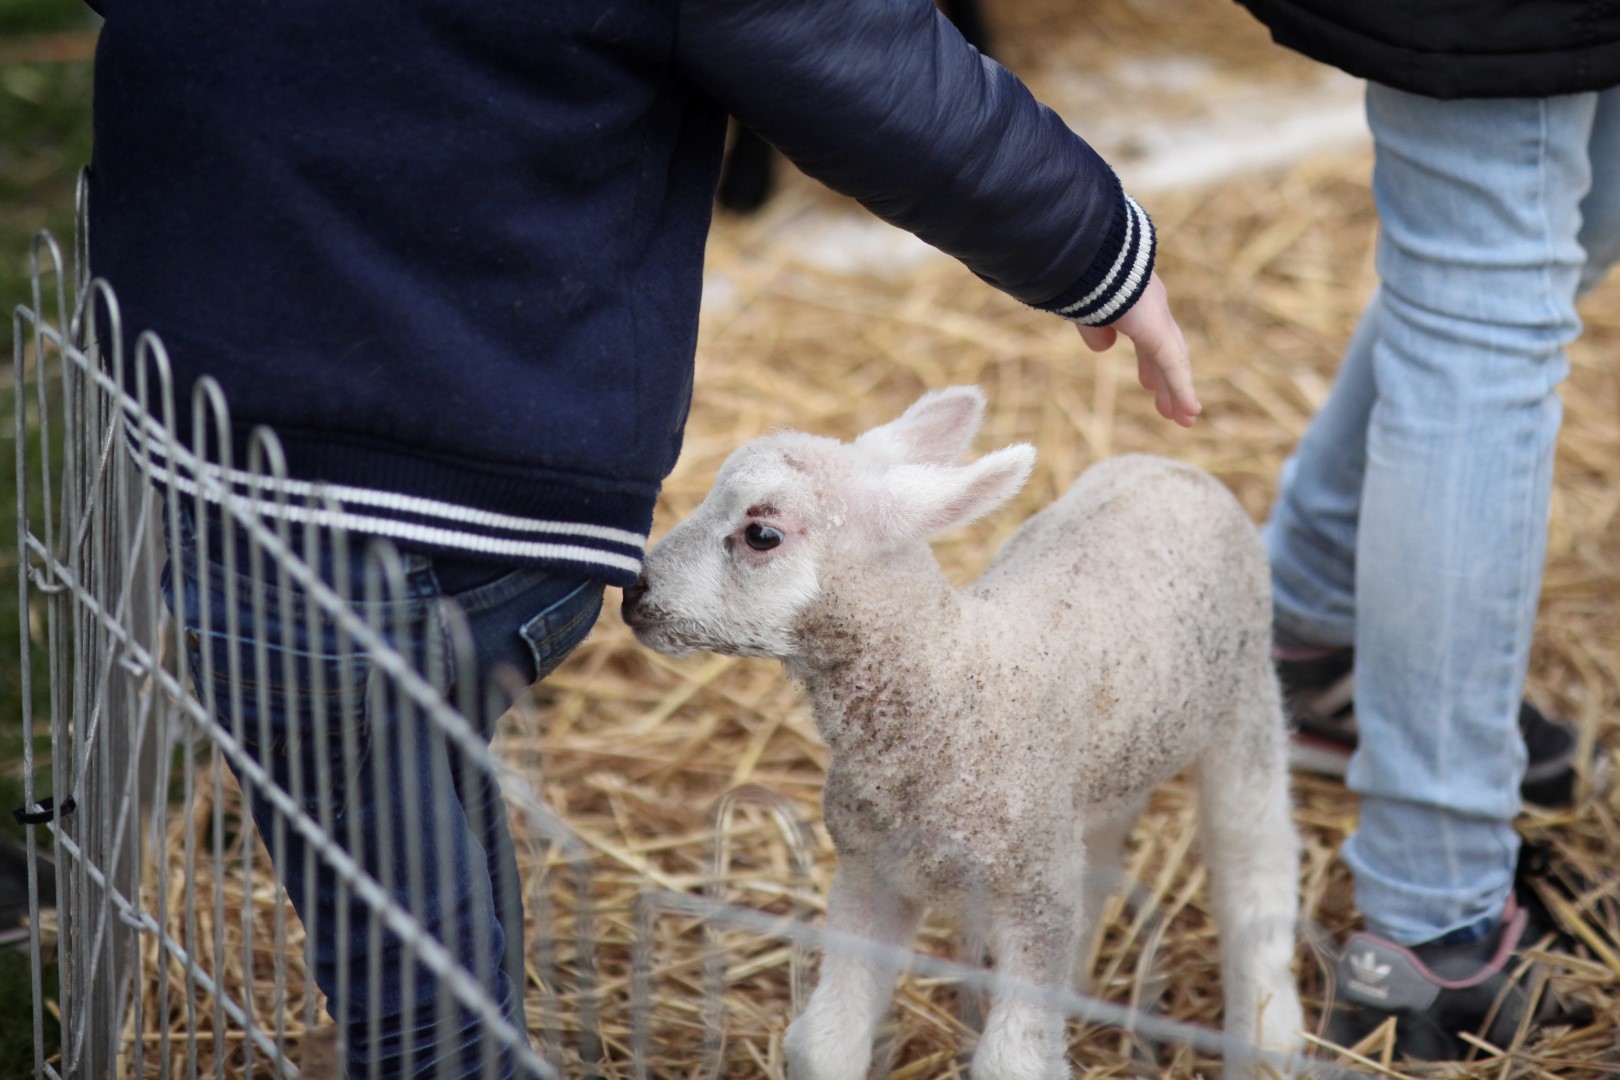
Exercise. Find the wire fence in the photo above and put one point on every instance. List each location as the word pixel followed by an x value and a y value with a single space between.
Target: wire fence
pixel 178 943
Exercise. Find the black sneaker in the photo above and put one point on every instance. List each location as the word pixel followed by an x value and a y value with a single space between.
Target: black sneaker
pixel 1545 881
pixel 1436 991
pixel 1319 695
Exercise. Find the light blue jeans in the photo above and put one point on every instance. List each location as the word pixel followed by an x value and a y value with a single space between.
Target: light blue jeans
pixel 1412 520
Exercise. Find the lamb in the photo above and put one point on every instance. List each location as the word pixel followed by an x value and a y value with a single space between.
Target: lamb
pixel 1122 633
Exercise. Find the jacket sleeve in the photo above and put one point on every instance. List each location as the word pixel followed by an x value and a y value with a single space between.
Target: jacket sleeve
pixel 884 101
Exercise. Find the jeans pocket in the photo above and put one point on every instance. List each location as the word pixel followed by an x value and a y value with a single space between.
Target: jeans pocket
pixel 301 713
pixel 556 631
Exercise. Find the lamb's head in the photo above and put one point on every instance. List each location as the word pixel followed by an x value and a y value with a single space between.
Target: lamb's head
pixel 788 510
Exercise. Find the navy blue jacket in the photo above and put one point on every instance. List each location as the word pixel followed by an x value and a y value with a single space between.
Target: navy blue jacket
pixel 451 251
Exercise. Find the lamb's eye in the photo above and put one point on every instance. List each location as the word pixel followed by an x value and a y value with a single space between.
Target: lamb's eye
pixel 761 537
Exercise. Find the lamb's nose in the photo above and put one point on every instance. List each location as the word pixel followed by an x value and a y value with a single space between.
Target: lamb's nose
pixel 632 598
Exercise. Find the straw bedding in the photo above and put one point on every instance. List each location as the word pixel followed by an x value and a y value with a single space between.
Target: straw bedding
pixel 632 749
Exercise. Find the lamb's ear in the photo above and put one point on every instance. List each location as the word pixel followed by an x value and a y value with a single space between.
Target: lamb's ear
pixel 923 501
pixel 937 429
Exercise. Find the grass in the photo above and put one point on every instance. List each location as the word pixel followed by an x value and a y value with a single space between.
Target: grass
pixel 45 115
pixel 44 141
pixel 45 118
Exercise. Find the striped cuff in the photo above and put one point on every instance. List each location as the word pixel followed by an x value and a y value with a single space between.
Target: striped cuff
pixel 1117 276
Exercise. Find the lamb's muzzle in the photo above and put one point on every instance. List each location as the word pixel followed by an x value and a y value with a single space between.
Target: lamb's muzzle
pixel 989 746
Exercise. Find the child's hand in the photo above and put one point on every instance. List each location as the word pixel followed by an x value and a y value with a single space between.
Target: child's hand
pixel 1162 363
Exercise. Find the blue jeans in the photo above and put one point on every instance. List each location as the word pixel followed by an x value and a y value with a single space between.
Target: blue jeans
pixel 1412 520
pixel 415 814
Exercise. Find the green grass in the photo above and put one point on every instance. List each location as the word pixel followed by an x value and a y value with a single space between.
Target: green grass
pixel 44 140
pixel 45 118
pixel 45 121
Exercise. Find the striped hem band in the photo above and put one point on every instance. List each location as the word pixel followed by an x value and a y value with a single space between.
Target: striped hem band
pixel 614 554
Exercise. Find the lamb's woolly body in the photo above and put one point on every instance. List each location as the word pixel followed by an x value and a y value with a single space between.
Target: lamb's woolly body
pixel 990 746
pixel 968 710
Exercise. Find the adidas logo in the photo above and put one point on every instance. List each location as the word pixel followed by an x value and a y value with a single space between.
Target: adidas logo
pixel 1368 976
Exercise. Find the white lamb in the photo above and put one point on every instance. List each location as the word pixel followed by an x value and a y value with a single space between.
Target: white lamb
pixel 989 747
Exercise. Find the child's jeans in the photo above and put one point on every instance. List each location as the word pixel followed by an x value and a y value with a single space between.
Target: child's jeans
pixel 417 816
pixel 1412 521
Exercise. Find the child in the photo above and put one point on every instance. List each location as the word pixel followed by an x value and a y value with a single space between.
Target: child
pixel 1411 524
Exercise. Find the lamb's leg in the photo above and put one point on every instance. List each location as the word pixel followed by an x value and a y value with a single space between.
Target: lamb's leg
pixel 833 1039
pixel 1034 941
pixel 1104 874
pixel 1252 853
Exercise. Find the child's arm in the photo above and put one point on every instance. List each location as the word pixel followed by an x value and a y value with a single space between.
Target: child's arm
pixel 883 100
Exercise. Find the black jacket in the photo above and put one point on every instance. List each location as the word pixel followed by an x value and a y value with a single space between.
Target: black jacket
pixel 451 252
pixel 1457 48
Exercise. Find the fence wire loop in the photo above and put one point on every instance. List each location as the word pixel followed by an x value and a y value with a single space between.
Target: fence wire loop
pixel 43 581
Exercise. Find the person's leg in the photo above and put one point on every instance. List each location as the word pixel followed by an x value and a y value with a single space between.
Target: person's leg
pixel 1600 210
pixel 1311 534
pixel 378 777
pixel 1479 263
pixel 453 821
pixel 306 703
pixel 519 627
